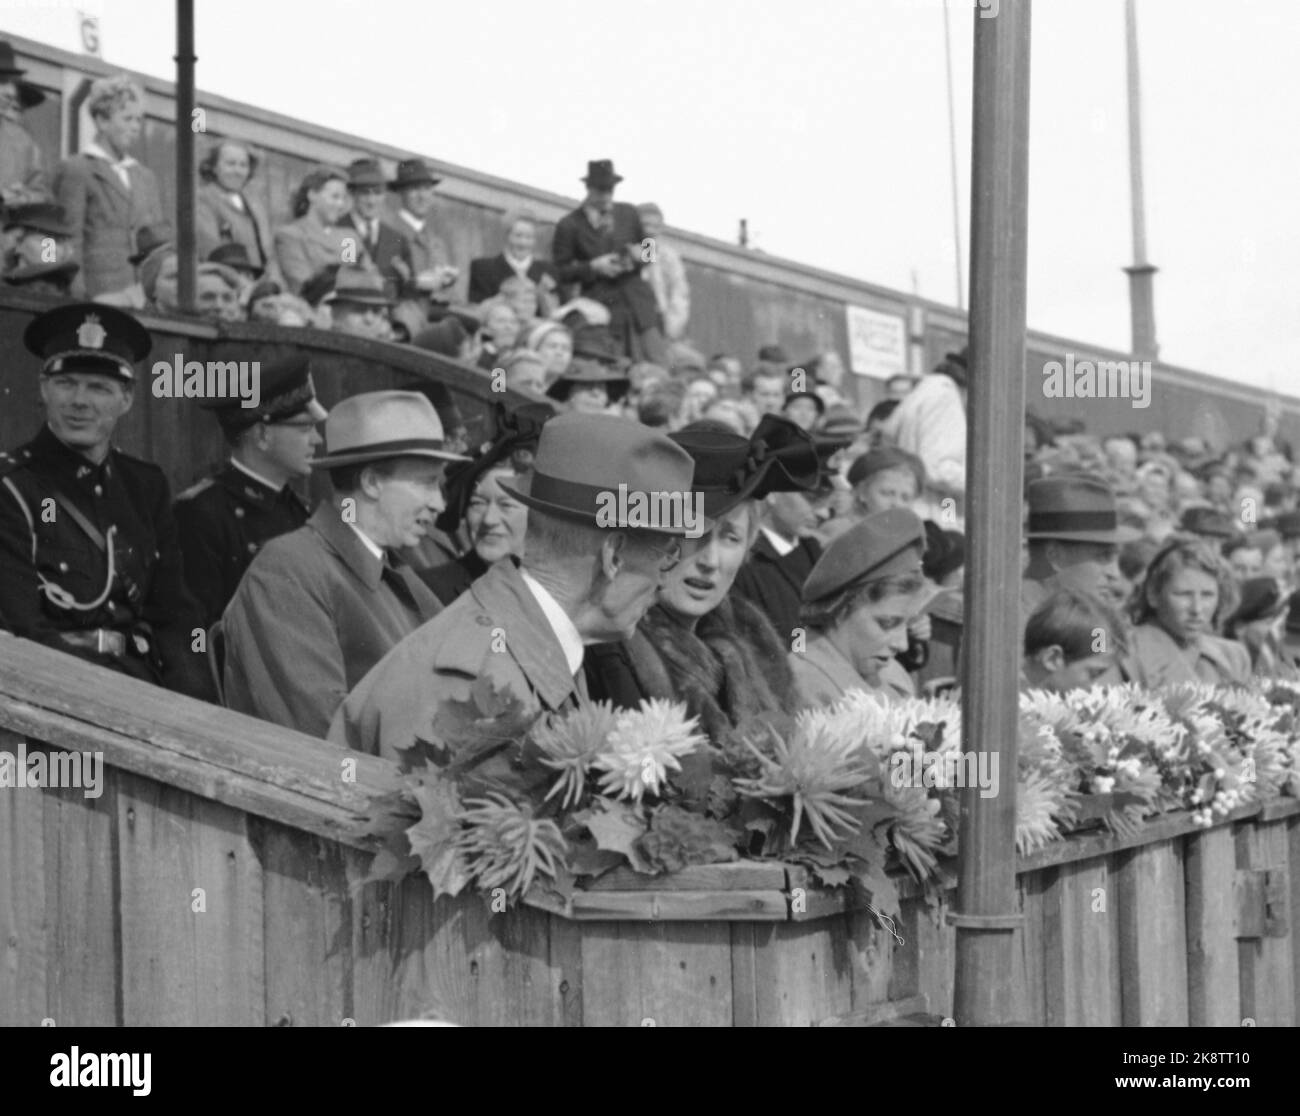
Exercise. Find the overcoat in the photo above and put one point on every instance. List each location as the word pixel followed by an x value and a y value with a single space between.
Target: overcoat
pixel 577 242
pixel 1154 660
pixel 220 221
pixel 303 247
pixel 774 582
pixel 822 675
pixel 106 217
pixel 494 631
pixel 390 253
pixel 314 612
pixel 487 273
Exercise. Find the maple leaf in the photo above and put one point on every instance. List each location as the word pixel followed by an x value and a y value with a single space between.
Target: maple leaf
pixel 678 839
pixel 433 838
pixel 585 859
pixel 471 728
pixel 422 756
pixel 616 827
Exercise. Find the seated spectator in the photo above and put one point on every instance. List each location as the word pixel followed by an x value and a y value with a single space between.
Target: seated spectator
pixel 22 166
pixel 269 302
pixel 1187 594
pixel 359 304
pixel 595 380
pixel 885 478
pixel 666 274
pixel 1257 624
pixel 383 246
pixel 500 332
pixel 877 418
pixel 434 275
pixel 1245 556
pixel 109 196
pixel 803 408
pixel 40 258
pixel 525 371
pixel 766 389
pixel 160 279
pixel 1061 643
pixel 313 240
pixel 320 606
pixel 224 214
pixel 662 405
pixel 487 273
pixel 236 257
pixel 701 392
pixel 525 298
pixel 554 344
pixel 217 292
pixel 726 371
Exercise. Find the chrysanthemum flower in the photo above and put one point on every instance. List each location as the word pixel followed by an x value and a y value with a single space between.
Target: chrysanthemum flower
pixel 644 744
pixel 505 846
pixel 570 743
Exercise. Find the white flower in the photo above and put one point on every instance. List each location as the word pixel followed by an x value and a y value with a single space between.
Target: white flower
pixel 1103 784
pixel 645 743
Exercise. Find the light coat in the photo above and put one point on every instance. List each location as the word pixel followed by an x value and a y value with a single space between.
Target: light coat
pixel 930 422
pixel 219 221
pixel 305 247
pixel 822 675
pixel 1154 660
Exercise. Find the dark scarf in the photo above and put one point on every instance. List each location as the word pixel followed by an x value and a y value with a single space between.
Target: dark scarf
pixel 731 668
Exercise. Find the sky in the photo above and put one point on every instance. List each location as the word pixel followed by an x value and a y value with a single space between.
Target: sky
pixel 825 124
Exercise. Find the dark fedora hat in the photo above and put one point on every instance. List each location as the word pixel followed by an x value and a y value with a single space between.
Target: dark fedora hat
pixel 57 274
pixel 1209 523
pixel 236 256
pixel 366 171
pixel 357 285
pixel 148 240
pixel 413 172
pixel 1075 507
pixel 28 95
pixel 1261 599
pixel 632 460
pixel 886 544
pixel 44 217
pixel 596 343
pixel 590 372
pixel 88 337
pixel 600 174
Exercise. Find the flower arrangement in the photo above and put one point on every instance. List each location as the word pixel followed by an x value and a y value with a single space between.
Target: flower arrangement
pixel 511 805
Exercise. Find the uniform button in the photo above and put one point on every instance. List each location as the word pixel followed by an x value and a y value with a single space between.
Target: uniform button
pixel 239 513
pixel 63 567
pixel 252 548
pixel 484 621
pixel 99 490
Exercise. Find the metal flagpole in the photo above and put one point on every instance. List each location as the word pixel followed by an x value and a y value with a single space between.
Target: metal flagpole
pixel 985 990
pixel 952 158
pixel 185 186
pixel 1141 274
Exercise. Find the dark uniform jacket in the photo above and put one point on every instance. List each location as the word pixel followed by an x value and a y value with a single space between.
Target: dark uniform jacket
pixel 147 602
pixel 224 521
pixel 577 242
pixel 774 581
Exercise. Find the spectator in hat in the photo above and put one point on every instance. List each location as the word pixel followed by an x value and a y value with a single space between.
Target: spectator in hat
pixel 803 408
pixel 1061 645
pixel 225 519
pixel 1244 555
pixel 109 196
pixel 41 255
pixel 434 276
pixel 666 274
pixel 318 607
pixel 159 271
pixel 701 644
pixel 885 478
pixel 383 246
pixel 899 386
pixel 359 304
pixel 766 390
pixel 217 293
pixel 1074 539
pixel 856 605
pixel 602 247
pixel 516 260
pixel 22 166
pixel 594 380
pixel 224 215
pixel 89 557
pixel 1207 523
pixel 930 422
pixel 313 241
pixel 1187 594
pixel 587 576
pixel 554 344
pixel 772 358
pixel 268 301
pixel 1257 624
pixel 236 257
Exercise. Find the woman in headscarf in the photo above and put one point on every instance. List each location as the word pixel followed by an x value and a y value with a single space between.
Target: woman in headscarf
pixel 700 643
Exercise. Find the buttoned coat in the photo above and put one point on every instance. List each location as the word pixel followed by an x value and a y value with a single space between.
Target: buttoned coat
pixel 106 218
pixel 313 613
pixel 577 242
pixel 495 631
pixel 305 247
pixel 774 582
pixel 390 253
pixel 218 221
pixel 1154 660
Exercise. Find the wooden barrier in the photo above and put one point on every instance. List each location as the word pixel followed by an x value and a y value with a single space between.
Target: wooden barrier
pixel 214 880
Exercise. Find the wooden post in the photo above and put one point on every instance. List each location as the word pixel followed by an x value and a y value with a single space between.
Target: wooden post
pixel 1141 274
pixel 185 186
pixel 986 916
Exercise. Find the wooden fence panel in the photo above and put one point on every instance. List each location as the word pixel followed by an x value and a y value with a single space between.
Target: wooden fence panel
pixel 1081 946
pixel 1213 998
pixel 1152 935
pixel 1265 956
pixel 24 950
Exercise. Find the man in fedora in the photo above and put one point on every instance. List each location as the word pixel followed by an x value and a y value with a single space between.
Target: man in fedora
pixel 320 606
pixel 602 247
pixel 432 273
pixel 89 558
pixel 227 518
pixel 235 256
pixel 22 166
pixel 384 246
pixel 359 303
pixel 40 249
pixel 1074 539
pixel 588 575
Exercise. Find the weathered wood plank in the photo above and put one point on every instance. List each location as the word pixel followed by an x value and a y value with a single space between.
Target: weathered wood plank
pixel 184 966
pixel 871 951
pixel 744 976
pixel 679 906
pixel 740 876
pixel 936 957
pixel 660 975
pixel 1213 993
pixel 1153 936
pixel 374 957
pixel 566 970
pixel 307 927
pixel 1265 962
pixel 875 1014
pixel 1293 860
pixel 1080 946
pixel 23 944
pixel 1031 890
pixel 802 972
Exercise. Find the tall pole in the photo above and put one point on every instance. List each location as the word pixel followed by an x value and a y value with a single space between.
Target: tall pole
pixel 985 991
pixel 186 249
pixel 1141 274
pixel 952 158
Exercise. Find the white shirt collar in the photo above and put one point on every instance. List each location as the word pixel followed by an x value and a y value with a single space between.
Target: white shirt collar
pixel 256 476
pixel 368 543
pixel 411 219
pixel 519 267
pixel 565 630
pixel 780 545
pixel 98 152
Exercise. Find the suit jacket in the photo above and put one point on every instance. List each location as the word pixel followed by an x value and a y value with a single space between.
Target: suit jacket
pixel 775 583
pixel 22 165
pixel 122 493
pixel 1154 660
pixel 495 631
pixel 577 242
pixel 424 250
pixel 313 614
pixel 389 253
pixel 106 217
pixel 487 273
pixel 302 248
pixel 219 221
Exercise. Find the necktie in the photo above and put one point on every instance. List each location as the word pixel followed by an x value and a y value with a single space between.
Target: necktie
pixel 394 580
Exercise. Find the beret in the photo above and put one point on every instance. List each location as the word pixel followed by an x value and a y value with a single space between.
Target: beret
pixel 885 544
pixel 885 457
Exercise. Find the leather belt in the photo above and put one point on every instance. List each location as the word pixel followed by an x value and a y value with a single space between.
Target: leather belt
pixel 103 641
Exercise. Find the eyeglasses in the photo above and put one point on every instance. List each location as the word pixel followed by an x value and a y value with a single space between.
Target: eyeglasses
pixel 668 556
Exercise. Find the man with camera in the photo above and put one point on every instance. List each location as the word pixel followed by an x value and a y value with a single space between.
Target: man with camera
pixel 602 247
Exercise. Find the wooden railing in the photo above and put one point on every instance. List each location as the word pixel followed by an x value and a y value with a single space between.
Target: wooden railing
pixel 215 880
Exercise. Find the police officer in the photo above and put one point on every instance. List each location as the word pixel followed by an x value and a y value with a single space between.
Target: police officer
pixel 89 561
pixel 227 518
